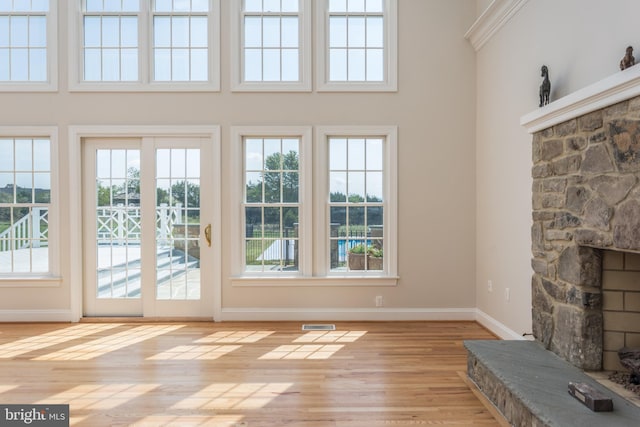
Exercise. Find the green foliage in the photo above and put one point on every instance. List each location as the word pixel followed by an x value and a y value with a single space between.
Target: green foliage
pixel 360 249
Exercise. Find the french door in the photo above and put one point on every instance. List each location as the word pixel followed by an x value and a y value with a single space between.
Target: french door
pixel 147 214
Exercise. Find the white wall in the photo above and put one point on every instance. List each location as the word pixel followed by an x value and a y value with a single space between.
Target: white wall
pixel 581 42
pixel 434 110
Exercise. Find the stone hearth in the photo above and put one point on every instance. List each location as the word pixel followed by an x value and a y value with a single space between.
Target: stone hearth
pixel 586 197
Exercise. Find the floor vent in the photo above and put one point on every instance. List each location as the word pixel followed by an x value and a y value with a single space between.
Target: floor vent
pixel 318 327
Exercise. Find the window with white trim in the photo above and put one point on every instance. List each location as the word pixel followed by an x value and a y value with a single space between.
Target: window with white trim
pixel 27 204
pixel 28 57
pixel 274 213
pixel 357 45
pixel 146 45
pixel 300 233
pixel 271 45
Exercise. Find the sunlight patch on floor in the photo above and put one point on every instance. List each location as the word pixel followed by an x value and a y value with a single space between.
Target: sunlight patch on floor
pixel 234 396
pixel 99 396
pixel 331 336
pixel 111 343
pixel 195 352
pixel 38 342
pixel 232 337
pixel 306 351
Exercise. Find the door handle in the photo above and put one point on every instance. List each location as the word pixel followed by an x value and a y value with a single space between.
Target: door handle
pixel 207 234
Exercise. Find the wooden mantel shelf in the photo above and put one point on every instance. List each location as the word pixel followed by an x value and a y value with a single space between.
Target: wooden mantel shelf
pixel 613 89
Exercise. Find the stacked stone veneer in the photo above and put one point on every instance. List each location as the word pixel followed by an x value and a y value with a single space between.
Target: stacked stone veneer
pixel 586 197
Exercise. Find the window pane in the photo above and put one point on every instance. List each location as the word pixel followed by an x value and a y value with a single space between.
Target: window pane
pixel 92 64
pixel 199 5
pixel 290 5
pixel 337 5
pixel 374 154
pixel 290 65
pixel 42 185
pixel 272 189
pixel 19 64
pixel 37 31
pixel 180 31
pixel 162 65
pixel 337 65
pixel 252 31
pixel 356 154
pixel 375 65
pixel 338 186
pixel 271 5
pixel 129 31
pixel 6 159
pixel 130 5
pixel 4 59
pixel 289 32
pixel 374 186
pixel 40 5
pixel 112 5
pixel 253 5
pixel 271 31
pixel 181 5
pixel 130 65
pixel 199 32
pixel 110 64
pixel 38 65
pixel 94 5
pixel 290 186
pixel 6 187
pixel 19 31
pixel 253 187
pixel 162 31
pixel 338 154
pixel 253 154
pixel 271 65
pixel 356 187
pixel 199 65
pixel 23 153
pixel 110 31
pixel 252 65
pixel 4 31
pixel 375 31
pixel 162 6
pixel 180 65
pixel 356 37
pixel 374 6
pixel 92 31
pixel 356 65
pixel 356 5
pixel 24 188
pixel 337 31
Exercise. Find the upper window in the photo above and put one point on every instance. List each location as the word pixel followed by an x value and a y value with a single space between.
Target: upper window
pixel 147 45
pixel 28 45
pixel 358 43
pixel 270 45
pixel 26 201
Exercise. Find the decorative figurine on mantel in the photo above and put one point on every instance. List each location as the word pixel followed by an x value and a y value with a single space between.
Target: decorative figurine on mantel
pixel 545 87
pixel 628 60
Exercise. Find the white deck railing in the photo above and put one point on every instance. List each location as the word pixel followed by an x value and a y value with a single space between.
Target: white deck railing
pixel 121 225
pixel 27 232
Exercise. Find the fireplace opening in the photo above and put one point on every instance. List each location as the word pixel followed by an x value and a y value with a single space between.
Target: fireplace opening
pixel 620 305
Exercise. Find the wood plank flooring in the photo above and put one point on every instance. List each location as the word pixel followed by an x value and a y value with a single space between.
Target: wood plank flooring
pixel 272 374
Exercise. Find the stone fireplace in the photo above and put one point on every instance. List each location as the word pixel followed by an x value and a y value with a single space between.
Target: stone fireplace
pixel 586 199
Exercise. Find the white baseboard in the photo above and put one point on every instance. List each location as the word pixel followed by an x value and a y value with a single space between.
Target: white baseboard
pixel 496 327
pixel 36 316
pixel 346 314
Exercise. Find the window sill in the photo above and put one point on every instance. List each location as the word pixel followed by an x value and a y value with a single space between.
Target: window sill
pixel 29 281
pixel 339 281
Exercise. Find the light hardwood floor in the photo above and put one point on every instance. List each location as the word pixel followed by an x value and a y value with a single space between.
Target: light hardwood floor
pixel 364 374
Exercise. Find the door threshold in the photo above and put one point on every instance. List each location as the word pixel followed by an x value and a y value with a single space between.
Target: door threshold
pixel 140 319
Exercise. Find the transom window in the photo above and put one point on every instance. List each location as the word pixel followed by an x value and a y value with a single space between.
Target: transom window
pixel 180 40
pixel 358 45
pixel 272 203
pixel 270 44
pixel 147 45
pixel 25 202
pixel 110 42
pixel 27 52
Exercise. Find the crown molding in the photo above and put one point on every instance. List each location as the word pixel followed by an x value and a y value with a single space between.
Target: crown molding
pixel 491 20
